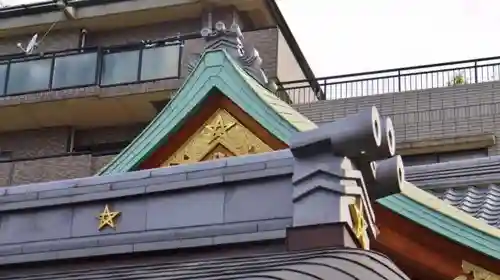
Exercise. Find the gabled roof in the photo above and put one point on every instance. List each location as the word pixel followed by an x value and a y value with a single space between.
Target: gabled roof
pixel 216 70
pixel 413 203
pixel 341 263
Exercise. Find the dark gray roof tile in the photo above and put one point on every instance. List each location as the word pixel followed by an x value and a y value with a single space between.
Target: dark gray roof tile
pixel 336 264
pixel 482 203
pixel 472 186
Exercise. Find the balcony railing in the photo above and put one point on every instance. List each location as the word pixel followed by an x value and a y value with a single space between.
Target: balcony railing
pixel 118 65
pixel 393 80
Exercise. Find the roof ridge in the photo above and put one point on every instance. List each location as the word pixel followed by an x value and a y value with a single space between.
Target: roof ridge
pixel 454 165
pixel 226 267
pixel 218 70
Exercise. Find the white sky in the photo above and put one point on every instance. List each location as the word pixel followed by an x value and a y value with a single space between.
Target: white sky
pixel 346 36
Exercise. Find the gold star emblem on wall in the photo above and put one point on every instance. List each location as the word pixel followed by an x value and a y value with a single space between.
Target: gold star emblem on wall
pixel 358 222
pixel 219 128
pixel 107 218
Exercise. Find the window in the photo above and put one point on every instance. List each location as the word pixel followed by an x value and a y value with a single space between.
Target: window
pixel 75 70
pixel 120 68
pixel 161 62
pixel 102 149
pixel 3 76
pixel 29 76
pixel 444 157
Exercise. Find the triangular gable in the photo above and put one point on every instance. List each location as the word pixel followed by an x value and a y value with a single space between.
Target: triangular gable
pixel 220 134
pixel 216 70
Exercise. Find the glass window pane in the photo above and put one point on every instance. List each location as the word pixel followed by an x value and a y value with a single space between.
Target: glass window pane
pixel 29 76
pixel 74 70
pixel 120 68
pixel 3 73
pixel 158 63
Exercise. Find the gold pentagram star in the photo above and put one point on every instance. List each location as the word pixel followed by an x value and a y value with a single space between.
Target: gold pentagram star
pixel 219 128
pixel 106 218
pixel 359 223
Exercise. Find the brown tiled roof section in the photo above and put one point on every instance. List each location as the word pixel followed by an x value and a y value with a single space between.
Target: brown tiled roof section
pixel 336 264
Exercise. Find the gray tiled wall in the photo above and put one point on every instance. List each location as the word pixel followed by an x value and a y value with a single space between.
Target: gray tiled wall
pixel 58 219
pixel 426 114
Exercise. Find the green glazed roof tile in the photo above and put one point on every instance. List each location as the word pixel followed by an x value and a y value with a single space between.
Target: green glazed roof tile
pixel 216 70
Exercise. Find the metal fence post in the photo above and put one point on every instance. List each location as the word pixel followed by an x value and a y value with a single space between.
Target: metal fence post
pixel 475 72
pixel 399 80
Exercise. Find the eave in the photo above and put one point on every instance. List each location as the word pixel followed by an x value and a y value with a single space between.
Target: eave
pixel 292 43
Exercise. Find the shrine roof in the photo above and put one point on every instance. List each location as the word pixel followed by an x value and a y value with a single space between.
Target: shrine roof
pixel 216 69
pixel 338 264
pixel 413 203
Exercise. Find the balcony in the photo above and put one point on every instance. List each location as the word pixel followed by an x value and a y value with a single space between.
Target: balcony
pixel 60 88
pixel 406 79
pixel 131 81
pixel 90 67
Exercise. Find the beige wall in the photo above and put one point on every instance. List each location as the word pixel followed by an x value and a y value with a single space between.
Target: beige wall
pixel 55 41
pixel 50 169
pixel 288 69
pixel 43 155
pixel 288 66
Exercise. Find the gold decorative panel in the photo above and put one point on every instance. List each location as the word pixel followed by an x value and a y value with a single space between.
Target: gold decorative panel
pixel 473 272
pixel 221 136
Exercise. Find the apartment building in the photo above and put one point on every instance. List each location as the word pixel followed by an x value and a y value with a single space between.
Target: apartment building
pixel 103 68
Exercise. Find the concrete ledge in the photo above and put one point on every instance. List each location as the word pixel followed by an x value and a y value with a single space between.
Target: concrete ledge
pixel 129 184
pixel 145 241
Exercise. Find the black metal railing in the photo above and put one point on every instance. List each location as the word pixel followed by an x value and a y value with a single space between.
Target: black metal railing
pixel 110 66
pixel 393 80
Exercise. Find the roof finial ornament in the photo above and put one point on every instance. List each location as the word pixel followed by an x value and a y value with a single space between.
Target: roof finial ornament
pixel 231 40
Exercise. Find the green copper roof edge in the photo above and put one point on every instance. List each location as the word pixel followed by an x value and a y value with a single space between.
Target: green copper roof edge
pixel 121 162
pixel 443 225
pixel 287 127
pixel 106 170
pixel 275 103
pixel 135 152
pixel 261 112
